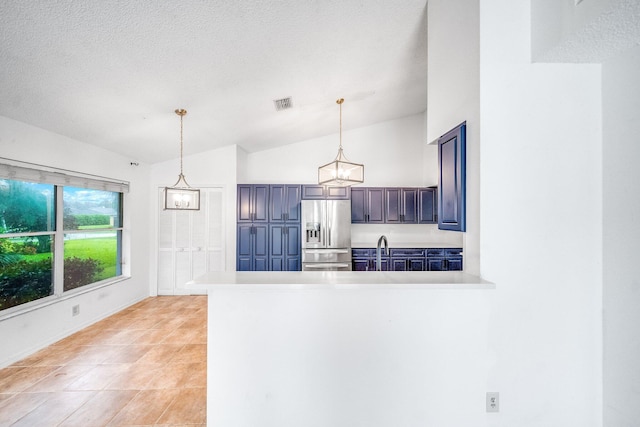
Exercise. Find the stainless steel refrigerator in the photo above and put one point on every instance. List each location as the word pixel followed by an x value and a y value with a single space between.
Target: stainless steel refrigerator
pixel 326 235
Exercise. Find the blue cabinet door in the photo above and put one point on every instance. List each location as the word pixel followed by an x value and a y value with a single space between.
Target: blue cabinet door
pixel 284 247
pixel 367 205
pixel 409 205
pixel 452 176
pixel 361 264
pixel 435 264
pixel 320 192
pixel 427 206
pixel 401 205
pixel 245 194
pixel 375 205
pixel 244 247
pixel 393 205
pixel 358 206
pixel 293 250
pixel 284 203
pixel 252 250
pixel 261 247
pixel 398 264
pixel 253 201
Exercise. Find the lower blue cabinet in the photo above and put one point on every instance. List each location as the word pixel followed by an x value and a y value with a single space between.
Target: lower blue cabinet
pixel 284 247
pixel 365 260
pixel 409 259
pixel 252 248
pixel 444 259
pixel 268 247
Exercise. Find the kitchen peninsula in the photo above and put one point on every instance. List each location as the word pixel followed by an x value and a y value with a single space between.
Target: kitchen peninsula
pixel 345 348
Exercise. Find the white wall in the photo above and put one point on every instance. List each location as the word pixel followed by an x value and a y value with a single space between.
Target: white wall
pixel 392 154
pixel 25 333
pixel 541 224
pixel 621 206
pixel 589 31
pixel 454 97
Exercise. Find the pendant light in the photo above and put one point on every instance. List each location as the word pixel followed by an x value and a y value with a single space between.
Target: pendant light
pixel 181 196
pixel 341 171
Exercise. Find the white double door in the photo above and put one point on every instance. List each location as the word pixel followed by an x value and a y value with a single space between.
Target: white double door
pixel 190 243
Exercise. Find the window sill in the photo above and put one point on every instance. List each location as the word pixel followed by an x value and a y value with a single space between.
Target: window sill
pixel 55 299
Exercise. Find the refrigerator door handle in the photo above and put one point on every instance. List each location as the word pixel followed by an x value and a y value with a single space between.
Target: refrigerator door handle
pixel 325 266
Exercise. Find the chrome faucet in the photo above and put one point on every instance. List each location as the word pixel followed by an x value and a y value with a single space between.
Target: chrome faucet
pixel 382 238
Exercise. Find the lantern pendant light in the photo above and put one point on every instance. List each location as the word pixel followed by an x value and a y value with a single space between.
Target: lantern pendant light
pixel 181 196
pixel 341 171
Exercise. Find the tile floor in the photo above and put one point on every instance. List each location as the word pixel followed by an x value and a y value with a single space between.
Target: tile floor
pixel 143 366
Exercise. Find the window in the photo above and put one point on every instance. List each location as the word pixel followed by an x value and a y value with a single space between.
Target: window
pixel 92 236
pixel 56 238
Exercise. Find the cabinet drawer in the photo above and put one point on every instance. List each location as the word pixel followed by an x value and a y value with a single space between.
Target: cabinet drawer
pixel 453 252
pixel 435 252
pixel 361 253
pixel 407 252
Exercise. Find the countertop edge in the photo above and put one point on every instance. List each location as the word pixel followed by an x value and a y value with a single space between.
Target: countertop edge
pixel 340 280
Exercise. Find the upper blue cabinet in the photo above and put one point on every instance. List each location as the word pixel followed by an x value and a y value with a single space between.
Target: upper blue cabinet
pixel 284 203
pixel 427 205
pixel 367 205
pixel 322 192
pixel 253 203
pixel 452 186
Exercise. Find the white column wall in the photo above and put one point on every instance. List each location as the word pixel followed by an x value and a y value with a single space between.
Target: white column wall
pixel 621 205
pixel 26 333
pixel 541 225
pixel 453 96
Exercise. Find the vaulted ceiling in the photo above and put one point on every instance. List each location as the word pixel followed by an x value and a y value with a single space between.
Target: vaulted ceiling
pixel 111 73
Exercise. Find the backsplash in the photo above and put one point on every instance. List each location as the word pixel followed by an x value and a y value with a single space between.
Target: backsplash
pixel 418 234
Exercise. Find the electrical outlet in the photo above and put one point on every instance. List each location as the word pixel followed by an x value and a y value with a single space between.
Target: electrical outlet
pixel 493 401
pixel 75 310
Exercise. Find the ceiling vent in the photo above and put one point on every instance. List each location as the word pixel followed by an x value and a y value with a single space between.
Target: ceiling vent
pixel 283 104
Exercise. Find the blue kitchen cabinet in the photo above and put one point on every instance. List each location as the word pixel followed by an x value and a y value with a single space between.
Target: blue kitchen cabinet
pixel 365 260
pixel 284 203
pixel 268 227
pixel 367 205
pixel 284 247
pixel 252 247
pixel 253 202
pixel 427 205
pixel 452 177
pixel 401 205
pixel 444 259
pixel 410 259
pixel 325 192
pixel 453 259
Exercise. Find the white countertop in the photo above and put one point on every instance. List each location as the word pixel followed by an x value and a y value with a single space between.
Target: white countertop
pixel 394 244
pixel 307 280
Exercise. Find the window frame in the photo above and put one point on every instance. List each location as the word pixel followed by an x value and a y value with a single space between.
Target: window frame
pixel 62 179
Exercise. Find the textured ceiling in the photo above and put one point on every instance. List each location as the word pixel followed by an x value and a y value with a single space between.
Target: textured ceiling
pixel 111 73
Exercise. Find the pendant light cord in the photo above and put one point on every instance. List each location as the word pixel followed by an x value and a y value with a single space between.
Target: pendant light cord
pixel 339 102
pixel 181 113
